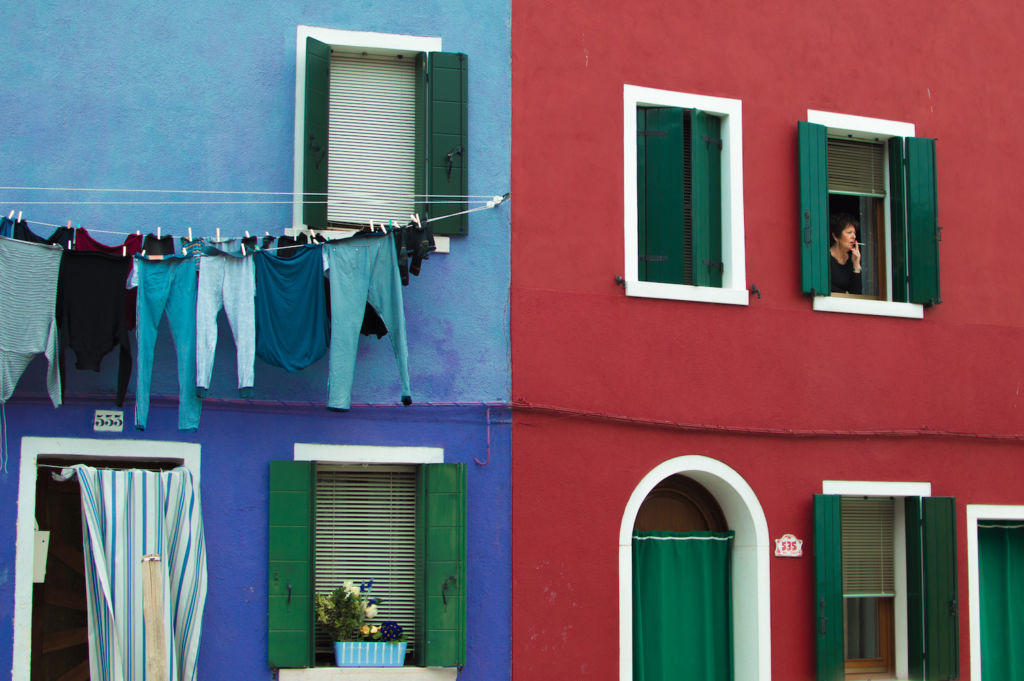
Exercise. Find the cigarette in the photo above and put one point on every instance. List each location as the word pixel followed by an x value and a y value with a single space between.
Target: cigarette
pixel 859 243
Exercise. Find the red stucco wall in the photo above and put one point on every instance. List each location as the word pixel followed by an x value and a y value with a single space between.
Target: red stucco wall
pixel 578 343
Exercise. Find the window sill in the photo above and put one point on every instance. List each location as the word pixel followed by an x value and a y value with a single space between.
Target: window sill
pixel 369 674
pixel 697 294
pixel 878 308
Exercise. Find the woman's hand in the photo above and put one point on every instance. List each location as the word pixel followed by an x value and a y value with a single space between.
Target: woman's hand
pixel 855 254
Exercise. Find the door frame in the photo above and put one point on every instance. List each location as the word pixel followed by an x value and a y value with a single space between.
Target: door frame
pixel 976 512
pixel 186 453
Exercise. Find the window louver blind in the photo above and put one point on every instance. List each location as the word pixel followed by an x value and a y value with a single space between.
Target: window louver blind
pixel 371 161
pixel 867 536
pixel 856 167
pixel 366 529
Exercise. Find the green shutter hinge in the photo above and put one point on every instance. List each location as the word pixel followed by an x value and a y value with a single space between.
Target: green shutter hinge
pixel 711 140
pixel 652 133
pixel 938 232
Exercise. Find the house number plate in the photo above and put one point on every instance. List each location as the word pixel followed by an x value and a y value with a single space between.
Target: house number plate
pixel 788 546
pixel 108 421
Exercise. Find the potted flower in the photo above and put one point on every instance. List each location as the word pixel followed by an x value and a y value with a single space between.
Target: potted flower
pixel 345 614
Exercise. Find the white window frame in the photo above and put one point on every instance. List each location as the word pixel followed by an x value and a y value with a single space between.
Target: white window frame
pixel 734 279
pixel 870 129
pixel 382 43
pixel 184 453
pixel 976 513
pixel 368 454
pixel 898 491
pixel 751 577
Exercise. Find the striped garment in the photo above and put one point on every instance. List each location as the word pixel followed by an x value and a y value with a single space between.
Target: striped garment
pixel 127 514
pixel 28 322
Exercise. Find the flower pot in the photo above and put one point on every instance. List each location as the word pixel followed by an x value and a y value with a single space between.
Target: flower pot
pixel 369 654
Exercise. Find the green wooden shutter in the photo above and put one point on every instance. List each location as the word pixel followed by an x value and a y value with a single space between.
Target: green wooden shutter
pixel 814 234
pixel 663 196
pixel 448 138
pixel 828 583
pixel 441 565
pixel 290 598
pixel 706 173
pixel 922 221
pixel 932 604
pixel 315 133
pixel 898 219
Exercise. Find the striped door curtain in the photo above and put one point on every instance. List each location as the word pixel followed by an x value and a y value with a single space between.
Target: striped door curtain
pixel 127 514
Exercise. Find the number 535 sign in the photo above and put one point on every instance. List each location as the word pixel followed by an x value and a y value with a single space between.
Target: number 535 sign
pixel 788 546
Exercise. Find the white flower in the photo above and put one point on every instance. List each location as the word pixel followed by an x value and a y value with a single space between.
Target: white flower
pixel 351 587
pixel 370 610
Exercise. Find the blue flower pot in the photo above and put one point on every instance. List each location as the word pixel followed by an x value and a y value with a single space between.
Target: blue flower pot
pixel 369 654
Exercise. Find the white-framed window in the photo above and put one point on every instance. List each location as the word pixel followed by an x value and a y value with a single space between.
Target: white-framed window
pixel 876 173
pixel 396 515
pixel 683 196
pixel 381 122
pixel 885 581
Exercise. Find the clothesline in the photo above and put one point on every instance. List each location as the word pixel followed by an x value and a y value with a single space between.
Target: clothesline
pixel 218 191
pixel 491 203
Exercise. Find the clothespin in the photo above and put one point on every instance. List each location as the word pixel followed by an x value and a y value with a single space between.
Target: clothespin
pixel 11 215
pixel 69 224
pixel 246 234
pixel 372 228
pixel 138 232
pixel 143 254
pixel 158 233
pixel 243 250
pixel 218 234
pixel 190 234
pixel 19 216
pixel 124 251
pixel 415 217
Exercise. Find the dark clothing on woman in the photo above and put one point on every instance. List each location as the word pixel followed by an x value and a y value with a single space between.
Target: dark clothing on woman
pixel 844 279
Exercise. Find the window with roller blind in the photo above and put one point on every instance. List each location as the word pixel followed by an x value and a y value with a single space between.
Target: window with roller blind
pixel 381 122
pixel 885 585
pixel 883 176
pixel 404 526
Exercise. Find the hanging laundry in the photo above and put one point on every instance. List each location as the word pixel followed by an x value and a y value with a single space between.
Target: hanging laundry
pixel 90 312
pixel 226 279
pixel 167 285
pixel 62 236
pixel 291 307
pixel 132 244
pixel 361 270
pixel 7 227
pixel 28 324
pixel 413 244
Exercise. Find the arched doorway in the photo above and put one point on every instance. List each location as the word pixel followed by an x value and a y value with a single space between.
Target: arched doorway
pixel 687 484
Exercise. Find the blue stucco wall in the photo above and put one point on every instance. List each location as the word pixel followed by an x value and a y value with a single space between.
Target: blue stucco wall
pixel 237 446
pixel 201 96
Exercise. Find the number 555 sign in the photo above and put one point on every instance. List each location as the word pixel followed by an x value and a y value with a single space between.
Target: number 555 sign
pixel 108 421
pixel 788 546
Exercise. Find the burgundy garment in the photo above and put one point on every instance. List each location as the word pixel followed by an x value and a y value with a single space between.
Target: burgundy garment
pixel 131 246
pixel 90 312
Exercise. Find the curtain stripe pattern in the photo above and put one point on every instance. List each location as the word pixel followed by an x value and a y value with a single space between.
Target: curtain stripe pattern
pixel 127 514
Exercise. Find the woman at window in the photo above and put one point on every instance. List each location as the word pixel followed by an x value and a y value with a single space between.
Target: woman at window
pixel 844 255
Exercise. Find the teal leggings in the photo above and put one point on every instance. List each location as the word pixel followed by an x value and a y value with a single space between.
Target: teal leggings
pixel 167 285
pixel 363 270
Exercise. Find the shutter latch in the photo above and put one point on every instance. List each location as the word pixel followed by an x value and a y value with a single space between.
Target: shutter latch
pixel 712 141
pixel 711 265
pixel 457 151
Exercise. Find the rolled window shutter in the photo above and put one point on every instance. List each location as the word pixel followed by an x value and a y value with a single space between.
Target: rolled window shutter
pixel 828 595
pixel 867 530
pixel 315 133
pixel 290 599
pixel 856 167
pixel 366 529
pixel 372 161
pixel 441 558
pixel 814 236
pixel 448 140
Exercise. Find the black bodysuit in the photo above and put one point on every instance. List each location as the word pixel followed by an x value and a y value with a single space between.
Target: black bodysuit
pixel 844 279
